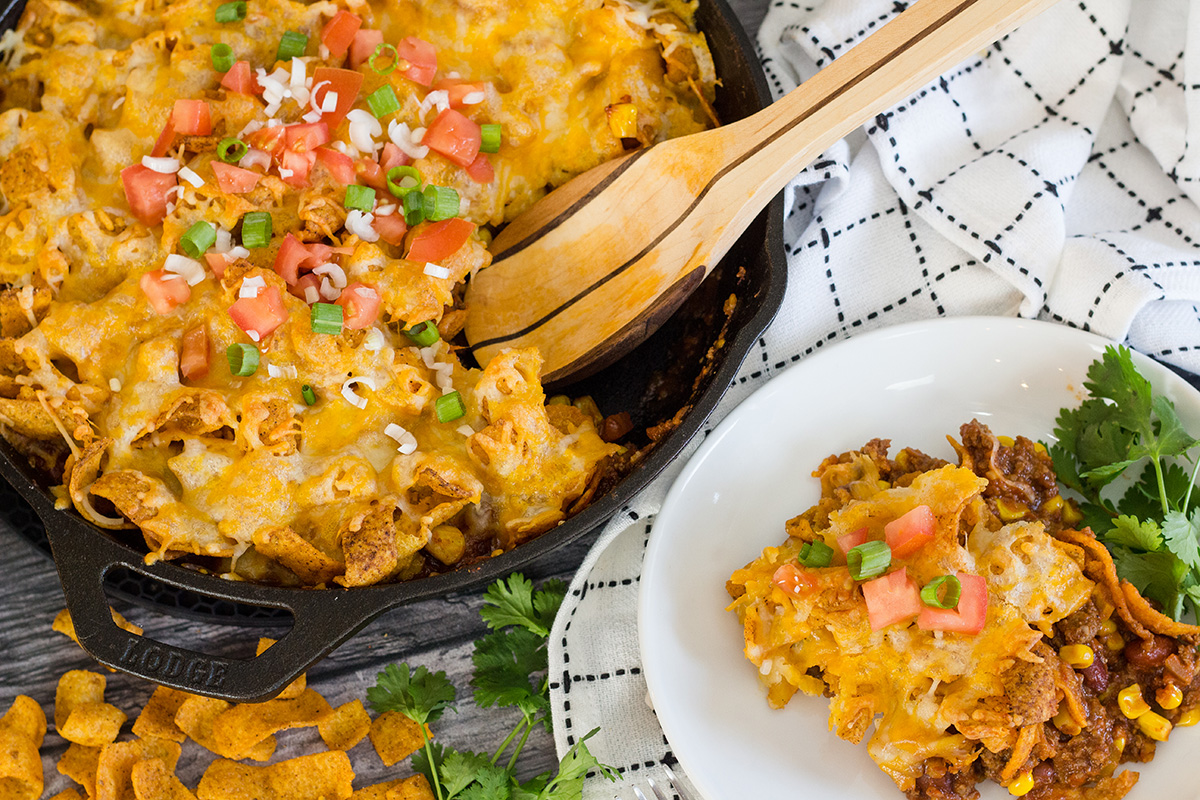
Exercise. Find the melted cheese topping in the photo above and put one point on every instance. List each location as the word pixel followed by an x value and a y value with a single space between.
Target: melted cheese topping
pixel 366 484
pixel 928 694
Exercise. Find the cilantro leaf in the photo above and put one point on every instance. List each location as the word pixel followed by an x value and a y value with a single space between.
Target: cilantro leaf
pixel 1171 438
pixel 574 767
pixel 418 694
pixel 1142 499
pixel 513 603
pixel 459 769
pixel 506 663
pixel 1131 532
pixel 1097 517
pixel 1182 536
pixel 431 769
pixel 1062 455
pixel 1158 576
pixel 491 783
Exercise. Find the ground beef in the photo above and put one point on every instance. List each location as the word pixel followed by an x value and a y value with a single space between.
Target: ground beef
pixel 1088 755
pixel 1081 627
pixel 938 784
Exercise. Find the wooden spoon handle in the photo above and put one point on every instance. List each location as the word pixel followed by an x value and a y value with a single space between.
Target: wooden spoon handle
pixel 766 150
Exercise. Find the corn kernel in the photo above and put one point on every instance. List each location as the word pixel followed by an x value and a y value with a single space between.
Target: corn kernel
pixel 1114 642
pixel 1007 441
pixel 1132 704
pixel 1108 627
pixel 559 400
pixel 1053 504
pixel 1040 448
pixel 1155 726
pixel 622 120
pixel 1010 511
pixel 1021 785
pixel 1071 514
pixel 1188 718
pixel 1118 743
pixel 1079 656
pixel 1169 697
pixel 1066 723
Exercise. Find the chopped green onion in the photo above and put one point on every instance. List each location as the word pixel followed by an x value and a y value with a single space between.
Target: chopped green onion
pixel 326 318
pixel 869 560
pixel 201 236
pixel 256 229
pixel 816 554
pixel 393 57
pixel 414 208
pixel 222 57
pixel 231 150
pixel 441 202
pixel 402 180
pixel 491 137
pixel 423 334
pixel 310 397
pixel 383 101
pixel 361 198
pixel 243 359
pixel 932 593
pixel 291 45
pixel 231 12
pixel 449 407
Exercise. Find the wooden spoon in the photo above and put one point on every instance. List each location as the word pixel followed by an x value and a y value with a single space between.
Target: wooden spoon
pixel 597 265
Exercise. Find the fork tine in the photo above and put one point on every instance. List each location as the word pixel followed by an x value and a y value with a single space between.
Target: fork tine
pixel 654 788
pixel 639 794
pixel 683 795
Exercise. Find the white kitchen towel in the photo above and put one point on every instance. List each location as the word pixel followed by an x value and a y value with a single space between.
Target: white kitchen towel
pixel 1055 176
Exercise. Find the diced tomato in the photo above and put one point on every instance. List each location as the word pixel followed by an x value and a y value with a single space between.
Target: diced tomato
pixel 457 90
pixel 969 617
pixel 360 304
pixel 217 262
pixel 393 156
pixel 480 170
pixel 192 117
pixel 391 228
pixel 146 192
pixel 194 353
pixel 454 136
pixel 241 79
pixel 165 140
pixel 370 173
pixel 910 532
pixel 339 32
pixel 440 240
pixel 346 83
pixel 340 165
pixel 794 580
pixel 294 256
pixel 893 598
pixel 852 540
pixel 234 180
pixel 164 291
pixel 260 315
pixel 301 288
pixel 418 60
pixel 362 46
pixel 300 164
pixel 269 140
pixel 305 136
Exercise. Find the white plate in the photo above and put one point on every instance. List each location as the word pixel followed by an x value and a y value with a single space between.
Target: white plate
pixel 913 384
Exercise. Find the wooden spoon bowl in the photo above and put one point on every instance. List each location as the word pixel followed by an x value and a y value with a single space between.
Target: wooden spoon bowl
pixel 597 265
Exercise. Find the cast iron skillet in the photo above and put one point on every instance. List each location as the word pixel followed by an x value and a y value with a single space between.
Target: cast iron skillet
pixel 652 383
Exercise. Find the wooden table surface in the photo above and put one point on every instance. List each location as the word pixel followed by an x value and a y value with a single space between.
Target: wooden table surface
pixel 436 633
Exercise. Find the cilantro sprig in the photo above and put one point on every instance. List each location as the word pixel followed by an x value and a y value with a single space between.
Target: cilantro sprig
pixel 1153 529
pixel 510 665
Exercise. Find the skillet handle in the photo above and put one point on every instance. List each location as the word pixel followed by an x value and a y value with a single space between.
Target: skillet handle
pixel 324 618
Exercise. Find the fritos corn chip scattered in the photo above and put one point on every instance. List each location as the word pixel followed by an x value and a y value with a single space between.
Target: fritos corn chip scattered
pixel 196 716
pixel 75 688
pixel 396 737
pixel 414 788
pixel 152 779
pixel 241 727
pixel 114 770
pixel 21 732
pixel 93 724
pixel 68 794
pixel 346 726
pixel 376 791
pixel 320 776
pixel 158 715
pixel 79 764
